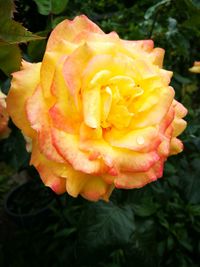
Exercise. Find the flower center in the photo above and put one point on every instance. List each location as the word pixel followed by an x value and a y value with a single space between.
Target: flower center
pixel 116 98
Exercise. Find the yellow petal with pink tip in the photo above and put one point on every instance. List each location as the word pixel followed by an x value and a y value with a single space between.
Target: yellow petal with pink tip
pixel 23 85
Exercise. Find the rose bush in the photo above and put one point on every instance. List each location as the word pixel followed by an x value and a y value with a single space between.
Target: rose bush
pixel 98 109
pixel 196 67
pixel 4 130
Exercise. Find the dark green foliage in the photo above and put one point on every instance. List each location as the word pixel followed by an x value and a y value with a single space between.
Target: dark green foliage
pixel 10 58
pixel 46 7
pixel 100 221
pixel 155 226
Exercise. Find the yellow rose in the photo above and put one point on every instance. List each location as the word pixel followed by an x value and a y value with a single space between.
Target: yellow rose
pixel 4 130
pixel 99 111
pixel 196 67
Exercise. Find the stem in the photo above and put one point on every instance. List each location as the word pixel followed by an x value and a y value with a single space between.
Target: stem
pixel 153 25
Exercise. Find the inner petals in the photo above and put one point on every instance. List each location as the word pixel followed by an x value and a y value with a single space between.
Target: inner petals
pixel 119 116
pixel 106 102
pixel 91 107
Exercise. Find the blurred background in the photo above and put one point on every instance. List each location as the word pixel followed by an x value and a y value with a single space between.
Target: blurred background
pixel 158 225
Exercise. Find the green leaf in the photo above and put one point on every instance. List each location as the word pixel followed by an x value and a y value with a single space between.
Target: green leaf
pixel 14 150
pixel 6 9
pixel 36 48
pixel 10 58
pixel 142 250
pixel 13 32
pixel 105 225
pixel 194 20
pixel 65 232
pixel 170 242
pixel 194 210
pixel 181 79
pixel 155 8
pixel 190 182
pixel 146 208
pixel 193 4
pixel 46 7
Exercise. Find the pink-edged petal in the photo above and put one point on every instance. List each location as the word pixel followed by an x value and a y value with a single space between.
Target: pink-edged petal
pixel 180 110
pixel 69 29
pixel 23 84
pixel 51 173
pixel 38 118
pixel 64 113
pixel 144 139
pixel 157 56
pixel 179 126
pixel 120 159
pixel 73 69
pixel 49 63
pixel 140 179
pixel 68 147
pixel 146 45
pixel 176 146
pixel 96 189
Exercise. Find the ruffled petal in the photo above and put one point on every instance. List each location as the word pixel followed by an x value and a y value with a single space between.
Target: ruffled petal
pixel 176 146
pixel 23 85
pixel 68 30
pixel 120 159
pixel 38 119
pixel 67 146
pixel 144 139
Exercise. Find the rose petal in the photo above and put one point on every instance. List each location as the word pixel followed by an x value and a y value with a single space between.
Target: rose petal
pixel 120 159
pixel 67 30
pixel 38 118
pixel 23 85
pixel 176 146
pixel 68 147
pixel 144 139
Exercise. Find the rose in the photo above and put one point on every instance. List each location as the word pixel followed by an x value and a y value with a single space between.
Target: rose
pixel 99 111
pixel 4 130
pixel 196 67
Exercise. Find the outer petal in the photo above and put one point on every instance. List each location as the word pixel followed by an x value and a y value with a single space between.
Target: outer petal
pixel 146 45
pixel 157 56
pixel 67 30
pixel 180 110
pixel 38 118
pixel 179 126
pixel 96 189
pixel 176 146
pixel 23 85
pixel 89 186
pixel 68 146
pixel 120 159
pixel 49 62
pixel 137 180
pixel 4 130
pixel 50 172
